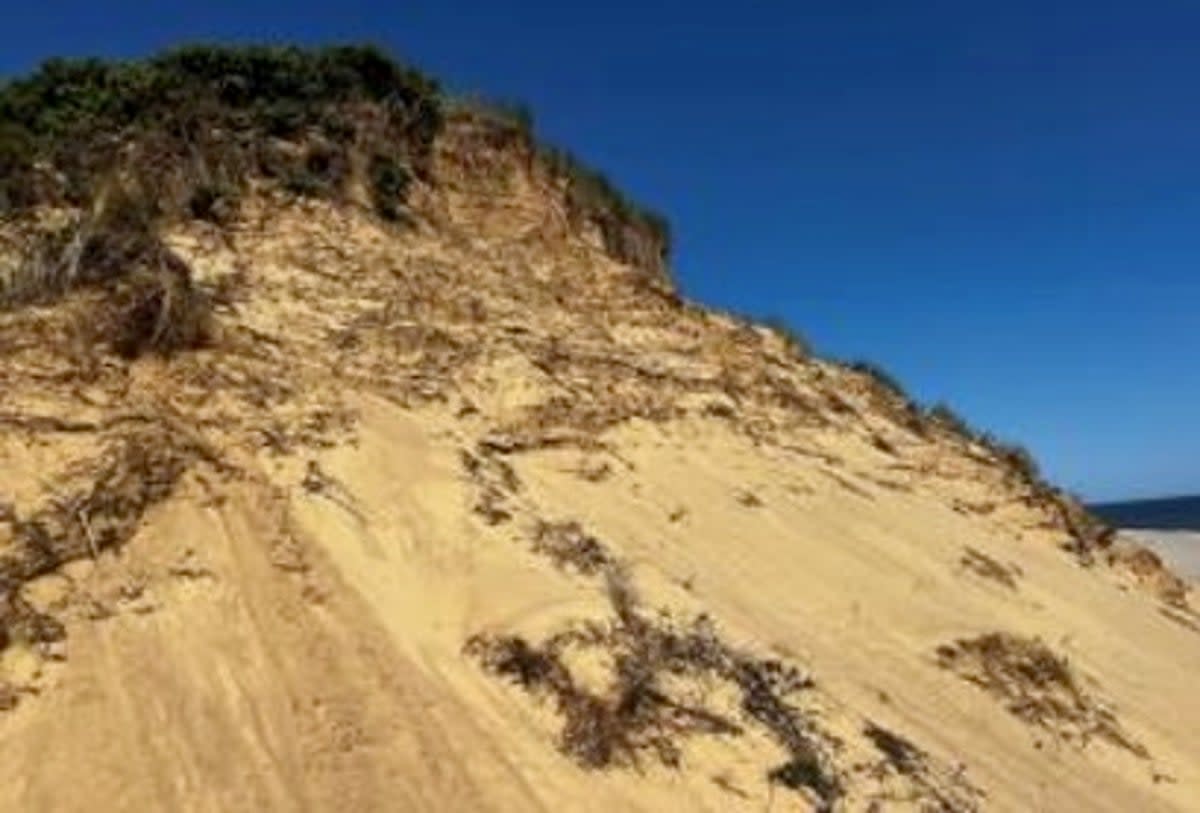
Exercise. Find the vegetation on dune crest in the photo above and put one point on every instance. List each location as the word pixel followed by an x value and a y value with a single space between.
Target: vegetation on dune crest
pixel 882 378
pixel 182 135
pixel 204 119
pixel 1086 532
pixel 590 194
pixel 200 120
pixel 941 415
pixel 891 396
pixel 124 147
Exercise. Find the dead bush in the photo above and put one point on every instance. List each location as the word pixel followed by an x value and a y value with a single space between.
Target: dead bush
pixel 147 299
pixel 21 623
pixel 900 754
pixel 802 772
pixel 568 546
pixel 99 506
pixel 160 314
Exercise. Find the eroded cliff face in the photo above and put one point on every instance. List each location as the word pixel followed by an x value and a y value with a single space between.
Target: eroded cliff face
pixel 468 509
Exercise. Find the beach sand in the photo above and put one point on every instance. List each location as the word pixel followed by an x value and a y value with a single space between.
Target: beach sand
pixel 1180 548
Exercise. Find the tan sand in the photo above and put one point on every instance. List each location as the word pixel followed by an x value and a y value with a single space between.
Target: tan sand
pixel 371 455
pixel 1180 548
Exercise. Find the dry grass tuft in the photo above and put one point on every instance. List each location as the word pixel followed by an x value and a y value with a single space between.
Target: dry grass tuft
pixel 568 546
pixel 1036 685
pixel 101 507
pixel 644 709
pixel 159 314
pixel 986 567
pixel 931 786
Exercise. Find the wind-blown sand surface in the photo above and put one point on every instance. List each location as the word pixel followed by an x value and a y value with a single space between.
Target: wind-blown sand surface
pixel 235 668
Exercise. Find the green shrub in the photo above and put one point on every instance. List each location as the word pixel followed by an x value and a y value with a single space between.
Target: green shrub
pixel 193 124
pixel 204 115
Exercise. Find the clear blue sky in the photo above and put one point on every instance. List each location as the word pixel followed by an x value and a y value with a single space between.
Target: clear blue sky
pixel 1000 202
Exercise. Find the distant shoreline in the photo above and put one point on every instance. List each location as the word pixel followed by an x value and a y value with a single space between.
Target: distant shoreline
pixel 1181 549
pixel 1170 514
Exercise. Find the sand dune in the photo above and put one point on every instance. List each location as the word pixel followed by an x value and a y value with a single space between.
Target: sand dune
pixel 472 516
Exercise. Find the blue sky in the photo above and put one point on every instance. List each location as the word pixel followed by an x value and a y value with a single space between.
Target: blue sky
pixel 997 201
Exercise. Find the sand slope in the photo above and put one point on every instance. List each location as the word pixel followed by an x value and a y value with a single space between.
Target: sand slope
pixel 246 675
pixel 410 454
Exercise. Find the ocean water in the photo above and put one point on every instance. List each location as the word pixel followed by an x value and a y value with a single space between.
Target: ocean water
pixel 1173 514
